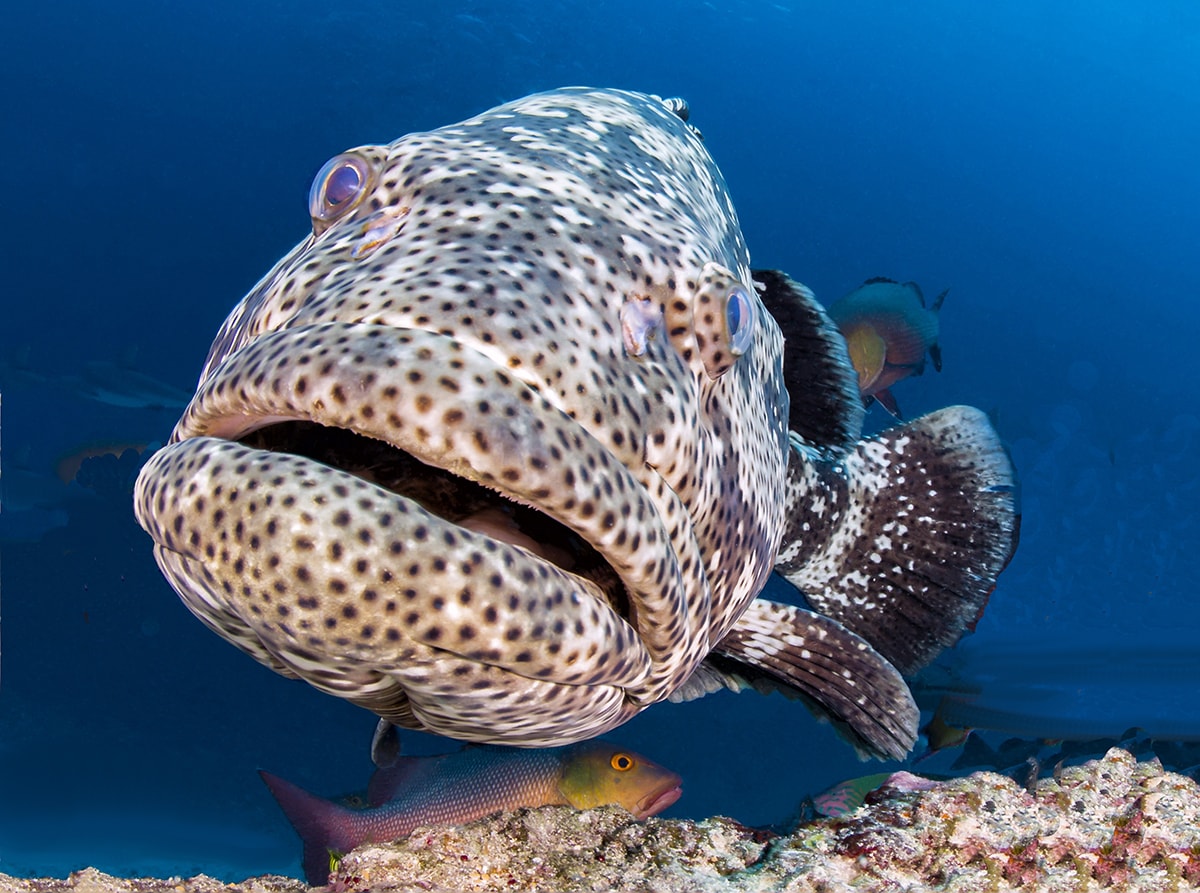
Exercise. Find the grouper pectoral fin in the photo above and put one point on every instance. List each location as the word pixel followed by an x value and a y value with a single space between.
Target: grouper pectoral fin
pixel 822 384
pixel 838 675
pixel 902 540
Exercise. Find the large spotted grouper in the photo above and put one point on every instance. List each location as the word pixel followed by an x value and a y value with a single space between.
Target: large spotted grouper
pixel 508 446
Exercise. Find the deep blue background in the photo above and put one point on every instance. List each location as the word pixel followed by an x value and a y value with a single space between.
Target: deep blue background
pixel 1039 159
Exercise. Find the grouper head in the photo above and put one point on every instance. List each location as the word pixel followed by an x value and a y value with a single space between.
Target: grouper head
pixel 499 450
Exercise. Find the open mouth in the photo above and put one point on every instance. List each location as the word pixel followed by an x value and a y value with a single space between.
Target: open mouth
pixel 337 462
pixel 455 499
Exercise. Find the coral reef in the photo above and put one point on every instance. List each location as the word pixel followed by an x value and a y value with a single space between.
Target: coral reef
pixel 1112 823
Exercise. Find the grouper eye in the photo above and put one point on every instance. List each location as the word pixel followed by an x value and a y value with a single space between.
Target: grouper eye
pixel 338 187
pixel 724 316
pixel 739 320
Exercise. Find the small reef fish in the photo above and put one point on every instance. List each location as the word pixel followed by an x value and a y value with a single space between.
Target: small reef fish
pixel 847 796
pixel 508 445
pixel 940 734
pixel 1021 758
pixel 470 784
pixel 888 331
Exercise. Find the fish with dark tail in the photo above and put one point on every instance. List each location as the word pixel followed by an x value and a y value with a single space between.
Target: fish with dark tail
pixel 470 784
pixel 888 331
pixel 508 446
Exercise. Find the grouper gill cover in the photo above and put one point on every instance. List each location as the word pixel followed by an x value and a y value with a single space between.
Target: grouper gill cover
pixel 508 446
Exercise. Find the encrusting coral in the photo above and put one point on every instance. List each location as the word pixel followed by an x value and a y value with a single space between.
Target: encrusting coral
pixel 1111 824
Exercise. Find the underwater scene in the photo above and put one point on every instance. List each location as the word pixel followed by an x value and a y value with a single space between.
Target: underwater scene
pixel 531 381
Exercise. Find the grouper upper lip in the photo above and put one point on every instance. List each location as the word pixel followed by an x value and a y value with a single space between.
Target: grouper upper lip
pixel 453 408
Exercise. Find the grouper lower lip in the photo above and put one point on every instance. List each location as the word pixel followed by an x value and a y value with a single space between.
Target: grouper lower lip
pixel 454 409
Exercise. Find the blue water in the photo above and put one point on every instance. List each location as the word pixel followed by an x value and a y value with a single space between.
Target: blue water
pixel 1037 158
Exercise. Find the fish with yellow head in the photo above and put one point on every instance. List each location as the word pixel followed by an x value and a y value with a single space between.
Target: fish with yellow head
pixel 888 330
pixel 474 782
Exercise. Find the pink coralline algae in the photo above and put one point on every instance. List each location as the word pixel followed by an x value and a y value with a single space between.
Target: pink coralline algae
pixel 1111 824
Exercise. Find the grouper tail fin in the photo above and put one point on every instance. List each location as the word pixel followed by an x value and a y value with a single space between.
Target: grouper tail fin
pixel 901 540
pixel 323 826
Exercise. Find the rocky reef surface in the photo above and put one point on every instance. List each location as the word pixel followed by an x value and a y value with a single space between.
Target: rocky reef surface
pixel 1111 824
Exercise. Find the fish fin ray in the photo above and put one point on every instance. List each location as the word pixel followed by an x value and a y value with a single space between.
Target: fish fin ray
pixel 837 674
pixel 914 528
pixel 887 400
pixel 826 409
pixel 709 677
pixel 935 354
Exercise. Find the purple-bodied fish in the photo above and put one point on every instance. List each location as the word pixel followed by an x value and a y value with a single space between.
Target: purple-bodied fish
pixel 470 784
pixel 888 330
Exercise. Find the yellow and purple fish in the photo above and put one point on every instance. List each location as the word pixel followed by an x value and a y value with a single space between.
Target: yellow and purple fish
pixel 845 797
pixel 889 330
pixel 470 784
pixel 842 799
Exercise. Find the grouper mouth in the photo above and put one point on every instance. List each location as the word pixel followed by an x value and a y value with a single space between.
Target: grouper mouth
pixel 455 499
pixel 378 494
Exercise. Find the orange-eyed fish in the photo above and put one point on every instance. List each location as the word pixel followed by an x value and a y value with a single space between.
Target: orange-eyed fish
pixel 470 784
pixel 889 330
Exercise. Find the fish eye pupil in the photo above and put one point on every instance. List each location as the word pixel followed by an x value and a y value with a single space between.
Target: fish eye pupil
pixel 733 313
pixel 621 762
pixel 338 187
pixel 739 320
pixel 342 184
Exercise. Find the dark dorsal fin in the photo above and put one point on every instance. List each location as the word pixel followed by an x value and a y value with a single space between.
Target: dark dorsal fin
pixel 917 290
pixel 826 409
pixel 875 280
